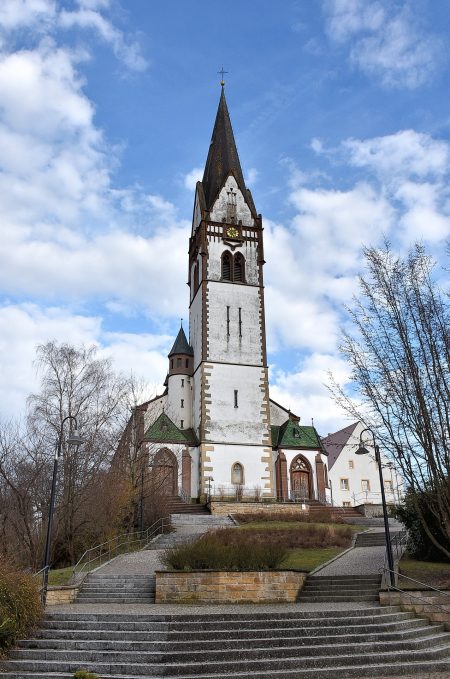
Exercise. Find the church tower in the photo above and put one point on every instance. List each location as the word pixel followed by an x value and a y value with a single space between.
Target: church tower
pixel 230 409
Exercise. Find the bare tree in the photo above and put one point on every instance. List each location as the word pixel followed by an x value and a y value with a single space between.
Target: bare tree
pixel 76 382
pixel 399 353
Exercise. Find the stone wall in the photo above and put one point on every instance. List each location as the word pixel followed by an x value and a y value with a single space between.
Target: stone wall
pixel 225 508
pixel 61 595
pixel 435 607
pixel 227 587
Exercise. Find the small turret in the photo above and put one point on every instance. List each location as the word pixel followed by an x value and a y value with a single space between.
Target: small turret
pixel 181 356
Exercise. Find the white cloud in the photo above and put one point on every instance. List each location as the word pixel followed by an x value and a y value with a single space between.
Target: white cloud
pixel 252 176
pixel 403 154
pixel 385 40
pixel 24 326
pixel 88 18
pixel 304 390
pixel 191 178
pixel 26 13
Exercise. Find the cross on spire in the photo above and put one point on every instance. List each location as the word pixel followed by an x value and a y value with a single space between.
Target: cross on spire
pixel 222 73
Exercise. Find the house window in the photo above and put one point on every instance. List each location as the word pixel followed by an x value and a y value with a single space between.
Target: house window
pixel 178 362
pixel 226 266
pixel 171 362
pixel 365 485
pixel 182 402
pixel 240 322
pixel 235 398
pixel 228 321
pixel 346 504
pixel 182 424
pixel 388 486
pixel 351 464
pixel 182 382
pixel 237 473
pixel 345 484
pixel 187 363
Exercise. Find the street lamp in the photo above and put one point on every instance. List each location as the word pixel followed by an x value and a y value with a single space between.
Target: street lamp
pixel 74 439
pixel 363 451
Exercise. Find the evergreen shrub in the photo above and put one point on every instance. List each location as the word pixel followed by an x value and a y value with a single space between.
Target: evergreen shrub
pixel 84 674
pixel 210 552
pixel 318 516
pixel 20 604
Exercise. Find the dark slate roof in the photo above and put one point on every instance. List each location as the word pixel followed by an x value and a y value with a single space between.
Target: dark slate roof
pixel 163 430
pixel 293 435
pixel 334 443
pixel 181 345
pixel 223 159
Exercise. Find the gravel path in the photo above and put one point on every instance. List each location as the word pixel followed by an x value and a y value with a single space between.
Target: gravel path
pixel 135 563
pixel 357 561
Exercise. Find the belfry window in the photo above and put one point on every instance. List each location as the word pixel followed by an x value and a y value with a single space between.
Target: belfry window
pixel 238 268
pixel 195 276
pixel 237 474
pixel 226 266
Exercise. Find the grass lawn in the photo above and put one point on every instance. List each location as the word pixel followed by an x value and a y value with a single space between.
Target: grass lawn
pixel 308 559
pixel 59 576
pixel 429 572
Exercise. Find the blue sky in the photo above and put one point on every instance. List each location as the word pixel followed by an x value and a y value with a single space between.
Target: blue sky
pixel 341 114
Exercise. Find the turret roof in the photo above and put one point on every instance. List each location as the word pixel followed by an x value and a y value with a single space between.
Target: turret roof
pixel 181 345
pixel 223 159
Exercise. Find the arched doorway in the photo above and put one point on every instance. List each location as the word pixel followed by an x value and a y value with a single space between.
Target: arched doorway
pixel 301 479
pixel 165 472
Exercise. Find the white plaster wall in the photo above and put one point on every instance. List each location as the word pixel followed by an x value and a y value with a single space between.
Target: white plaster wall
pixel 249 250
pixel 223 457
pixel 153 411
pixel 278 416
pixel 232 348
pixel 195 327
pixel 219 209
pixel 244 423
pixel 364 467
pixel 180 388
pixel 195 471
pixel 197 217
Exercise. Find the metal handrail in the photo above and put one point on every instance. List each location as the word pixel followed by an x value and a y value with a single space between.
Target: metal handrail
pixel 397 544
pixel 111 547
pixel 424 586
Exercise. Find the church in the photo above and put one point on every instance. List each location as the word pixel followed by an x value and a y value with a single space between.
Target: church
pixel 215 429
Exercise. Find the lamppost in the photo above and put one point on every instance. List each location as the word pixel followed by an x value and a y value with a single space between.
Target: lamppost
pixel 74 439
pixel 363 451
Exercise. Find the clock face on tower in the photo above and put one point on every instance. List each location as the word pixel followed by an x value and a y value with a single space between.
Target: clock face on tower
pixel 232 232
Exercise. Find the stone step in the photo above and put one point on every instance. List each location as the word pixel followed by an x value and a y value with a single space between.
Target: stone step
pixel 211 645
pixel 170 655
pixel 313 584
pixel 233 667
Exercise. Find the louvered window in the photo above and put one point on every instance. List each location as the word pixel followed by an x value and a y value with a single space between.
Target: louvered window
pixel 238 268
pixel 226 267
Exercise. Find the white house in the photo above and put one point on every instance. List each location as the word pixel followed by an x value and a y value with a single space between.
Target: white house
pixel 354 479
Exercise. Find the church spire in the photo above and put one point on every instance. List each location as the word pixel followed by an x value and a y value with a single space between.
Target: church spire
pixel 223 158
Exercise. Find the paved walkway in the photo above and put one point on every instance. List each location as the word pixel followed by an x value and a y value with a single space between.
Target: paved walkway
pixel 357 561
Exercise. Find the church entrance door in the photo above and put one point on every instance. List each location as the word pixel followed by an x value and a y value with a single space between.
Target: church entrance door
pixel 301 480
pixel 165 473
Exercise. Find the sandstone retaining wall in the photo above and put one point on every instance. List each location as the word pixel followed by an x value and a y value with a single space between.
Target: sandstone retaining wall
pixel 432 606
pixel 225 508
pixel 232 587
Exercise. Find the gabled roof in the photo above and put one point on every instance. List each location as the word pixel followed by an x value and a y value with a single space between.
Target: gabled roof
pixel 163 430
pixel 223 159
pixel 292 435
pixel 181 345
pixel 334 443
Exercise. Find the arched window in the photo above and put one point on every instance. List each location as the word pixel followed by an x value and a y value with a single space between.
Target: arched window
pixel 239 268
pixel 226 266
pixel 237 474
pixel 195 276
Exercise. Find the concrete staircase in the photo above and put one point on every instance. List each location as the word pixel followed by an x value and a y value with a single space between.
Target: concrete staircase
pixel 370 539
pixel 102 588
pixel 370 642
pixel 177 506
pixel 341 588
